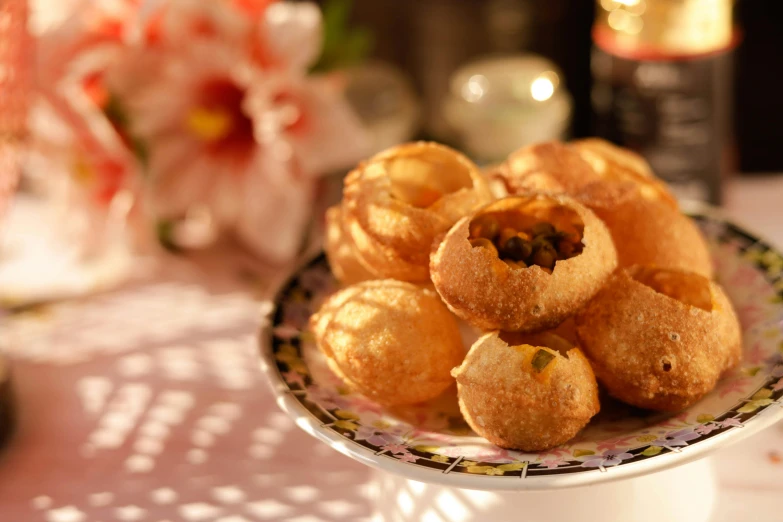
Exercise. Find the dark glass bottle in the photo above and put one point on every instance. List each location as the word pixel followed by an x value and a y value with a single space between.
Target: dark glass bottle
pixel 662 86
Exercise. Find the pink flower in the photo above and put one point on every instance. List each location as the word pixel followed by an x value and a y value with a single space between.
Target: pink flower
pixel 730 422
pixel 705 429
pixel 292 377
pixel 552 463
pixel 395 448
pixel 675 438
pixel 607 459
pixel 407 457
pixel 217 94
pixel 613 443
pixel 241 141
pixel 735 386
pixel 286 332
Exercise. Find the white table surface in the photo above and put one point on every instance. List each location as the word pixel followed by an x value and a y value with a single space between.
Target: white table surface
pixel 751 472
pixel 145 404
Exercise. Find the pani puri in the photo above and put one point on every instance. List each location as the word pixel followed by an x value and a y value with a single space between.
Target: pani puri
pixel 340 251
pixel 398 202
pixel 659 338
pixel 523 263
pixel 545 167
pixel 603 155
pixel 390 340
pixel 646 224
pixel 529 392
pixel 648 231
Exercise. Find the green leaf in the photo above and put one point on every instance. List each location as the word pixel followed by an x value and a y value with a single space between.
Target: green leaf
pixel 288 349
pixel 141 152
pixel 343 45
pixel 165 232
pixel 582 452
pixel 763 393
pixel 752 406
pixel 478 469
pixel 752 371
pixel 541 359
pixel 426 448
pixel 343 414
pixel 705 417
pixel 652 450
pixel 512 466
pixel 115 112
pixel 346 425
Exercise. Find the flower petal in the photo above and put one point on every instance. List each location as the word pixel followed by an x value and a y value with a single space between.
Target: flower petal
pixel 593 463
pixel 272 217
pixel 292 34
pixel 334 138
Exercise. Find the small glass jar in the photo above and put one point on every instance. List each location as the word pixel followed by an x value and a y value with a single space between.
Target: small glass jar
pixel 662 86
pixel 499 104
pixel 385 102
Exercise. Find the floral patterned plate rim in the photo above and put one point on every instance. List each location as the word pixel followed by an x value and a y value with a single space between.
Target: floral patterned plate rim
pixel 432 443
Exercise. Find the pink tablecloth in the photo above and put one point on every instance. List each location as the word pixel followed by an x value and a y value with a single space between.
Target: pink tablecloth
pixel 145 404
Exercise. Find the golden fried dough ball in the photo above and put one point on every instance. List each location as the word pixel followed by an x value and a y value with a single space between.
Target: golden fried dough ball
pixel 398 202
pixel 340 251
pixel 526 391
pixel 659 338
pixel 390 340
pixel 603 155
pixel 545 167
pixel 647 230
pixel 523 263
pixel 619 186
pixel 646 225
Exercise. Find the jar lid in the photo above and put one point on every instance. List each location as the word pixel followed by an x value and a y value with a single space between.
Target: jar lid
pixel 679 27
pixel 528 79
pixel 500 103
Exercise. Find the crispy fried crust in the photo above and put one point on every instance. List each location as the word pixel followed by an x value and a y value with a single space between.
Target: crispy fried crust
pixel 511 404
pixel 485 292
pixel 390 340
pixel 546 167
pixel 655 351
pixel 391 215
pixel 650 232
pixel 340 251
pixel 619 186
pixel 603 155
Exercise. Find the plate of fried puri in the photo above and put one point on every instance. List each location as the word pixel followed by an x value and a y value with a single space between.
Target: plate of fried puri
pixel 556 318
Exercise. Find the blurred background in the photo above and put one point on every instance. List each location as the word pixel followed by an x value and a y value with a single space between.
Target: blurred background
pixel 722 51
pixel 165 163
pixel 689 84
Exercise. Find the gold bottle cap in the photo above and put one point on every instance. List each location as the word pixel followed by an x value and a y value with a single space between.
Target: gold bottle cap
pixel 664 27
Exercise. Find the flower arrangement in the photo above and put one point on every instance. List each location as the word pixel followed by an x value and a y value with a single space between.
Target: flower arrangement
pixel 200 117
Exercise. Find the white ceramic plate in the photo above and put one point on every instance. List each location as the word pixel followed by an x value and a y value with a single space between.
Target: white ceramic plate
pixel 432 443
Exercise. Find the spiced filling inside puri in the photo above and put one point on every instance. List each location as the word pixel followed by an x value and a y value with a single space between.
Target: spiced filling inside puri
pixel 688 288
pixel 524 392
pixel 541 340
pixel 422 180
pixel 548 347
pixel 533 234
